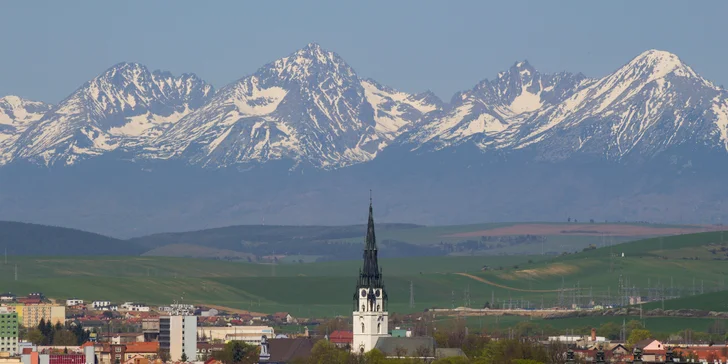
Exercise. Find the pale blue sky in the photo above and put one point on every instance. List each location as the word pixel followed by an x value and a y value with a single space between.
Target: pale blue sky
pixel 51 48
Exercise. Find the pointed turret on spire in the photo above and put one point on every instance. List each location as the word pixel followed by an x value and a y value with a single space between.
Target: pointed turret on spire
pixel 370 276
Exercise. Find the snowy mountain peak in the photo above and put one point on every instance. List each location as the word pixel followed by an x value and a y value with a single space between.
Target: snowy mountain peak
pixel 309 106
pixel 656 64
pixel 308 64
pixel 121 107
pixel 16 110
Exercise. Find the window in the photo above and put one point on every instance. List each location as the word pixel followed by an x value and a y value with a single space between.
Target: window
pixel 362 328
pixel 363 308
pixel 379 328
pixel 118 350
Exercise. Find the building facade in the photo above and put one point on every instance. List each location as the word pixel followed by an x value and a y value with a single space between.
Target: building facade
pixel 178 335
pixel 370 316
pixel 9 332
pixel 73 302
pixel 249 334
pixel 33 314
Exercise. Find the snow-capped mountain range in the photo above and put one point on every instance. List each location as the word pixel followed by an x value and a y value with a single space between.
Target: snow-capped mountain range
pixel 311 107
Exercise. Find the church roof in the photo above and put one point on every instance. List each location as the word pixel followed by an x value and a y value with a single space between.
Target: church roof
pixel 441 353
pixel 286 350
pixel 407 346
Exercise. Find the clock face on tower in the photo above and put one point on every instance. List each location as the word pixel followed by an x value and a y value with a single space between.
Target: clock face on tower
pixel 363 292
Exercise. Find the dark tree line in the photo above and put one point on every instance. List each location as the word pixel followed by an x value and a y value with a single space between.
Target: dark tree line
pixel 59 335
pixel 491 242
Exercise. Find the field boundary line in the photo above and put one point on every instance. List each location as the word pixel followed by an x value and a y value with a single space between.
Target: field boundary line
pixel 483 280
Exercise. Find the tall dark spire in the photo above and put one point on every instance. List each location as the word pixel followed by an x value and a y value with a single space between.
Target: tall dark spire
pixel 370 276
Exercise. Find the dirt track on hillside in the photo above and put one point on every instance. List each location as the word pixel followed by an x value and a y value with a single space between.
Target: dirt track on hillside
pixel 585 230
pixel 479 279
pixel 234 310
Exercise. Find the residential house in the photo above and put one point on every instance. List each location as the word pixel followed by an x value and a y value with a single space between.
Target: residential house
pixel 132 306
pixel 205 350
pixel 652 350
pixel 97 305
pixel 138 359
pixel 141 349
pixel 7 297
pixel 209 313
pixel 111 308
pixel 704 354
pixel 284 317
pixel 112 354
pixel 342 339
pixel 121 337
pixel 73 302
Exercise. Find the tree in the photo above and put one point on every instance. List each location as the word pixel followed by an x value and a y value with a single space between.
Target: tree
pixel 610 330
pixel 163 355
pixel 64 338
pixel 237 352
pixel 638 335
pixel 183 358
pixel 332 325
pixel 35 336
pixel 324 352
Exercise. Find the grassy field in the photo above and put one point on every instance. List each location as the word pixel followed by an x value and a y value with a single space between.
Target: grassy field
pixel 398 240
pixel 713 301
pixel 326 288
pixel 320 289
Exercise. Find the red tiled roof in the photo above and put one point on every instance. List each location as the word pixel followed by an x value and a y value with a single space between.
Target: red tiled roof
pixel 341 337
pixel 28 300
pixel 142 347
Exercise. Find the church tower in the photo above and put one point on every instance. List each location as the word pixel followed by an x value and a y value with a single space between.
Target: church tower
pixel 370 298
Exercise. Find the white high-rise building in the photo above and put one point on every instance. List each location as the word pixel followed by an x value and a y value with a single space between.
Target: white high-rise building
pixel 370 298
pixel 178 335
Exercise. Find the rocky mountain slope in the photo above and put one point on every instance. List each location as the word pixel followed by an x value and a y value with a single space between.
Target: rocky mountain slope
pixel 121 108
pixel 293 142
pixel 312 108
pixel 16 114
pixel 308 107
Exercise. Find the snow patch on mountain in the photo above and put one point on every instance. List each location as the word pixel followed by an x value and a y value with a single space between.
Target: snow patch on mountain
pixel 16 114
pixel 526 101
pixel 125 106
pixel 308 107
